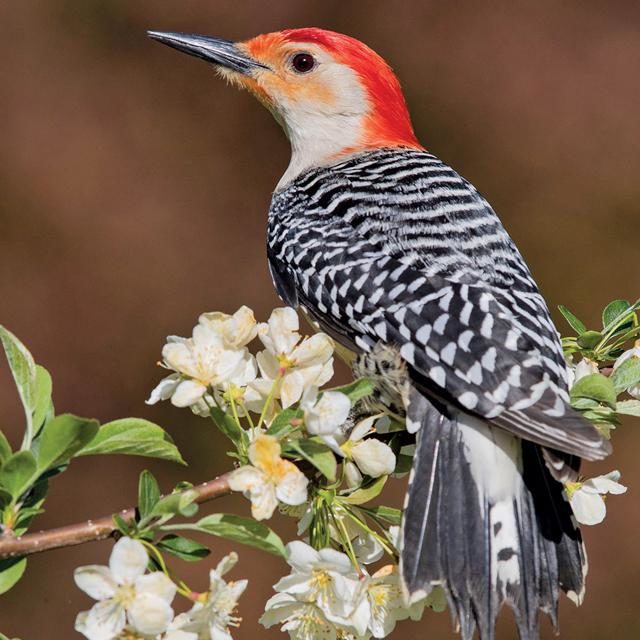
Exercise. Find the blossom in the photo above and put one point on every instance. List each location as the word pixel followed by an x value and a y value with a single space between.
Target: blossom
pixel 630 353
pixel 213 613
pixel 587 498
pixel 326 417
pixel 584 368
pixel 373 457
pixel 325 578
pixel 214 357
pixel 269 478
pixel 302 620
pixel 293 363
pixel 125 594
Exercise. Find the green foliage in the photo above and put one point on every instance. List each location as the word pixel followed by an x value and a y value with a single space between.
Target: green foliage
pixel 183 548
pixel 367 492
pixel 243 530
pixel 315 452
pixel 134 437
pixel 62 437
pixel 11 570
pixel 148 494
pixel 356 390
pixel 231 429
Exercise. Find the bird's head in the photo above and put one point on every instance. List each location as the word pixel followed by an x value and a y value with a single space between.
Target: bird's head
pixel 331 93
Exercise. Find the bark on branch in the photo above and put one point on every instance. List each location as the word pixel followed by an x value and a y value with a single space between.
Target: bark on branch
pixel 90 530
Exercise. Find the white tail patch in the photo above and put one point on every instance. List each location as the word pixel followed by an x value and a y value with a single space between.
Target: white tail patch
pixel 495 460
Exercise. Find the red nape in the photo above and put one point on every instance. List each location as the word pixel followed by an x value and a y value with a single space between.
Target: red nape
pixel 389 123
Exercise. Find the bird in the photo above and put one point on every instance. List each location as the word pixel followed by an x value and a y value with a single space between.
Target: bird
pixel 406 265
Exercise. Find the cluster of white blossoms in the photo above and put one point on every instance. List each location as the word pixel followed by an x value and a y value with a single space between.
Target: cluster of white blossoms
pixel 133 604
pixel 324 597
pixel 215 364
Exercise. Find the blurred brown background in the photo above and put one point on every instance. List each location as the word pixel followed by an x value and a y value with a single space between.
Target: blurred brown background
pixel 133 195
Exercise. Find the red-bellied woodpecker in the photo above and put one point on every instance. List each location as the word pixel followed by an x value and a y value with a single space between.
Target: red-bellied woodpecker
pixel 391 252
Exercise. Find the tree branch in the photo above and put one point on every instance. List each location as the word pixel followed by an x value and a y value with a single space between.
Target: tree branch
pixel 99 529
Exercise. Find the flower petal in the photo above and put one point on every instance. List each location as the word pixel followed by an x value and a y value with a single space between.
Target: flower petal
pixel 263 501
pixel 164 389
pixel 104 621
pixel 588 508
pixel 96 581
pixel 158 584
pixel 187 393
pixel 312 351
pixel 292 489
pixel 301 556
pixel 374 458
pixel 291 388
pixel 128 560
pixel 150 614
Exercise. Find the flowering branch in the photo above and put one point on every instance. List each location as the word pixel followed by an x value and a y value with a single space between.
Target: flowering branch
pixel 99 529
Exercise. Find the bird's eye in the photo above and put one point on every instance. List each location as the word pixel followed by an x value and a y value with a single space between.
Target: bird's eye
pixel 303 62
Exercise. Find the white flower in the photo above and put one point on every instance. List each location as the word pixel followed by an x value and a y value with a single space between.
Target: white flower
pixel 303 621
pixel 326 417
pixel 584 368
pixel 124 594
pixel 324 577
pixel 271 478
pixel 586 498
pixel 373 457
pixel 213 613
pixel 237 330
pixel 630 353
pixel 297 364
pixel 210 358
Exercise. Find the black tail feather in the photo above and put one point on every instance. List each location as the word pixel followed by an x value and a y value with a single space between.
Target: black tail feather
pixel 457 534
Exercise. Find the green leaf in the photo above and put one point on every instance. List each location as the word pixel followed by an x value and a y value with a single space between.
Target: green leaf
pixel 357 390
pixel 404 463
pixel 229 428
pixel 629 407
pixel 62 437
pixel 596 387
pixel 148 493
pixel 242 530
pixel 614 313
pixel 42 397
pixel 389 515
pixel 589 339
pixel 18 473
pixel 121 524
pixel 315 452
pixel 135 437
pixel 5 448
pixel 626 375
pixel 281 425
pixel 184 548
pixel 177 503
pixel 11 570
pixel 23 369
pixel 366 493
pixel 574 323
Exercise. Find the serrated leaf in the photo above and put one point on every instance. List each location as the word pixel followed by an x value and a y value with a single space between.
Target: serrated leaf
pixel 390 515
pixel 597 387
pixel 18 473
pixel 629 407
pixel 589 339
pixel 23 369
pixel 614 313
pixel 184 548
pixel 135 437
pixel 577 325
pixel 11 570
pixel 42 397
pixel 5 448
pixel 242 530
pixel 357 390
pixel 626 375
pixel 62 437
pixel 366 493
pixel 148 493
pixel 316 453
pixel 281 425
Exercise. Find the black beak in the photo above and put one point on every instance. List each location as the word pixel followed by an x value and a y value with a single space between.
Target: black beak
pixel 215 50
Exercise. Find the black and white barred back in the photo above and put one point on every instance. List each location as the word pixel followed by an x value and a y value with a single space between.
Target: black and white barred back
pixel 393 247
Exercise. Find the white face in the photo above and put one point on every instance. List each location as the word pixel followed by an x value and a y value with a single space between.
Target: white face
pixel 320 103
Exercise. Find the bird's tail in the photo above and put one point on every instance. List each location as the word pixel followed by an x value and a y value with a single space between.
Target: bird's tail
pixel 485 519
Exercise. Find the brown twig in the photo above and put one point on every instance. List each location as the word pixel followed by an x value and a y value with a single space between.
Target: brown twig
pixel 99 529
